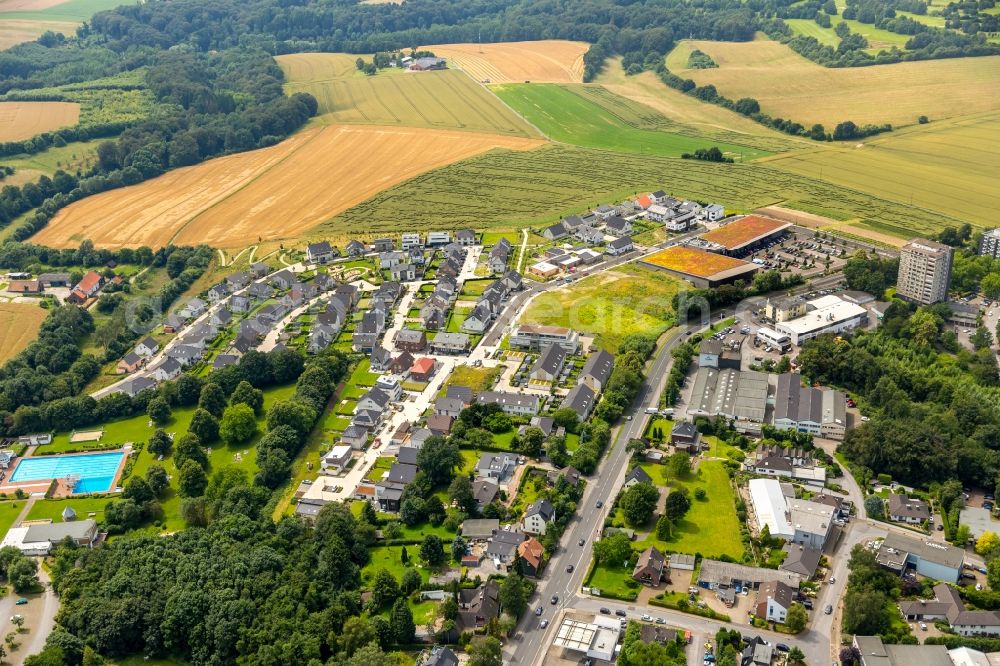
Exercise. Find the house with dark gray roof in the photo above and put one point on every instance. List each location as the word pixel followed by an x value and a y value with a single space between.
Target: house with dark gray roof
pixel 549 364
pixel 636 475
pixel 597 370
pixel 581 399
pixel 320 253
pixel 477 607
pixel 538 516
pixel 619 246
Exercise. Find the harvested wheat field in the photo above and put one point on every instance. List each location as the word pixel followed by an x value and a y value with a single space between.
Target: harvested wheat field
pixel 18 31
pixel 19 324
pixel 789 86
pixel 27 5
pixel 23 120
pixel 315 67
pixel 274 193
pixel 546 61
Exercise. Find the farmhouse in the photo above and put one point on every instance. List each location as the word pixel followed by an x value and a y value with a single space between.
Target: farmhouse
pixel 427 64
pixel 25 287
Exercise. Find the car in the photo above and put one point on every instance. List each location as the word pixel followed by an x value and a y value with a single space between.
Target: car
pixel 628 418
pixel 828 610
pixel 580 542
pixel 646 618
pixel 538 611
pixel 781 647
pixel 833 579
pixel 940 527
pixel 599 504
pixel 21 601
pixel 605 611
pixel 660 620
pixel 923 626
pixel 569 568
pixel 543 624
pixel 555 599
pixel 620 613
pixel 981 570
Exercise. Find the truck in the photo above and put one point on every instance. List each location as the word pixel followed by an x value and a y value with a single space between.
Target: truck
pixel 652 410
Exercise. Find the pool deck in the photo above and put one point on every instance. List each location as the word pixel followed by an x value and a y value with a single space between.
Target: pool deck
pixel 58 486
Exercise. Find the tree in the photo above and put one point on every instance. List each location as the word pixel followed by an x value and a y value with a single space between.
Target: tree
pixel 138 490
pixel 191 479
pixel 246 394
pixel 160 443
pixel 639 502
pixel 384 588
pixel 864 612
pixel 460 492
pixel 485 651
pixel 204 426
pixel 458 548
pixel 194 511
pixel 299 415
pixel 189 448
pixel 532 441
pixel 679 465
pixel 664 528
pixel 700 494
pixel 512 598
pixel 993 573
pixel 981 338
pixel 158 411
pixel 212 399
pixel 566 418
pixel 875 507
pixel 238 424
pixel 796 618
pixel 677 504
pixel 850 655
pixel 987 543
pixel 23 574
pixel 356 633
pixel 438 459
pixel 411 581
pixel 432 550
pixel 403 628
pixel 613 550
pixel 796 656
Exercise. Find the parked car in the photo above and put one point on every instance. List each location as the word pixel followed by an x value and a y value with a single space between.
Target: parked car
pixel 21 601
pixel 620 613
pixel 605 611
pixel 781 647
pixel 646 618
pixel 660 620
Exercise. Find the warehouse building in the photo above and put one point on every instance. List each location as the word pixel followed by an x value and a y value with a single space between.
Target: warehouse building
pixel 732 394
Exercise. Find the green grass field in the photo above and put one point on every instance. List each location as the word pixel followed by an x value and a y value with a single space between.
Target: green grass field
pixel 72 10
pixel 594 117
pixel 711 527
pixel 948 166
pixel 51 509
pixel 9 512
pixel 435 100
pixel 612 305
pixel 388 557
pixel 611 580
pixel 478 379
pixel 505 189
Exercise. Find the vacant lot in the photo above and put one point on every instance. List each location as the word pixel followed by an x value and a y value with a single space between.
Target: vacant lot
pixel 505 190
pixel 611 305
pixel 789 86
pixel 949 166
pixel 436 100
pixel 593 117
pixel 23 120
pixel 274 193
pixel 19 324
pixel 546 61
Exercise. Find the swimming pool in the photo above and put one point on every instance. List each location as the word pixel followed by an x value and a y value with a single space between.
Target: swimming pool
pixel 96 471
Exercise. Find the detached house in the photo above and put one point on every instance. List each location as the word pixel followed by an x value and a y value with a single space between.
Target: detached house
pixel 355 248
pixel 538 516
pixel 465 237
pixel 549 364
pixel 320 253
pixel 129 363
pixel 903 509
pixel 618 226
pixel 637 475
pixel 147 347
pixel 774 598
pixel 650 568
pixel 620 246
pixel 531 553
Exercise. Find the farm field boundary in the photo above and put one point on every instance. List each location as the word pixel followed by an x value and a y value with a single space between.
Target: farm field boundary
pixel 19 324
pixel 23 120
pixel 790 86
pixel 544 61
pixel 274 193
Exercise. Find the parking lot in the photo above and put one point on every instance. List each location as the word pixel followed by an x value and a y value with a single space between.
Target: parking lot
pixel 803 254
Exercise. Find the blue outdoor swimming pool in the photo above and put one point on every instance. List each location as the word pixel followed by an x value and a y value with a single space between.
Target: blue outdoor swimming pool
pixel 96 471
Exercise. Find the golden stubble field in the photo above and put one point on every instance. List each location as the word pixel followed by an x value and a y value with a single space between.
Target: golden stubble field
pixel 23 120
pixel 545 61
pixel 790 86
pixel 274 193
pixel 19 324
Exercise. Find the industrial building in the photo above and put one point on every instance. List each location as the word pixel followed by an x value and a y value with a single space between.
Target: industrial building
pixel 743 235
pixel 924 271
pixel 732 394
pixel 703 269
pixel 933 559
pixel 819 412
pixel 798 521
pixel 827 314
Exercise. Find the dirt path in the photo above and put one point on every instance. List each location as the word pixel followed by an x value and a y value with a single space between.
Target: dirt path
pixel 524 249
pixel 222 258
pixel 813 221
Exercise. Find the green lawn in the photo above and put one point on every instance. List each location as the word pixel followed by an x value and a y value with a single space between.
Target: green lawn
pixel 475 288
pixel 9 512
pixel 469 461
pixel 611 306
pixel 611 580
pixel 388 557
pixel 593 117
pixel 361 376
pixel 381 466
pixel 504 440
pixel 711 527
pixel 52 509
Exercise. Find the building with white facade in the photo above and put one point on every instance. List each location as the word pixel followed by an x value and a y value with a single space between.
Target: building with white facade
pixel 826 314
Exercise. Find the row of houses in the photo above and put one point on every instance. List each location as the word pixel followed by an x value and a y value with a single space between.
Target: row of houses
pixel 323 252
pixel 368 332
pixel 491 302
pixel 328 324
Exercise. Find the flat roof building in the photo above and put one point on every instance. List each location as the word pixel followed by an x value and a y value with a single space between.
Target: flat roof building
pixel 702 269
pixel 597 638
pixel 924 271
pixel 536 337
pixel 827 314
pixel 733 394
pixel 933 559
pixel 989 244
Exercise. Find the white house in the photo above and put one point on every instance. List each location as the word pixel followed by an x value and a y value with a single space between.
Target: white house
pixel 713 212
pixel 336 459
pixel 147 347
pixel 538 516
